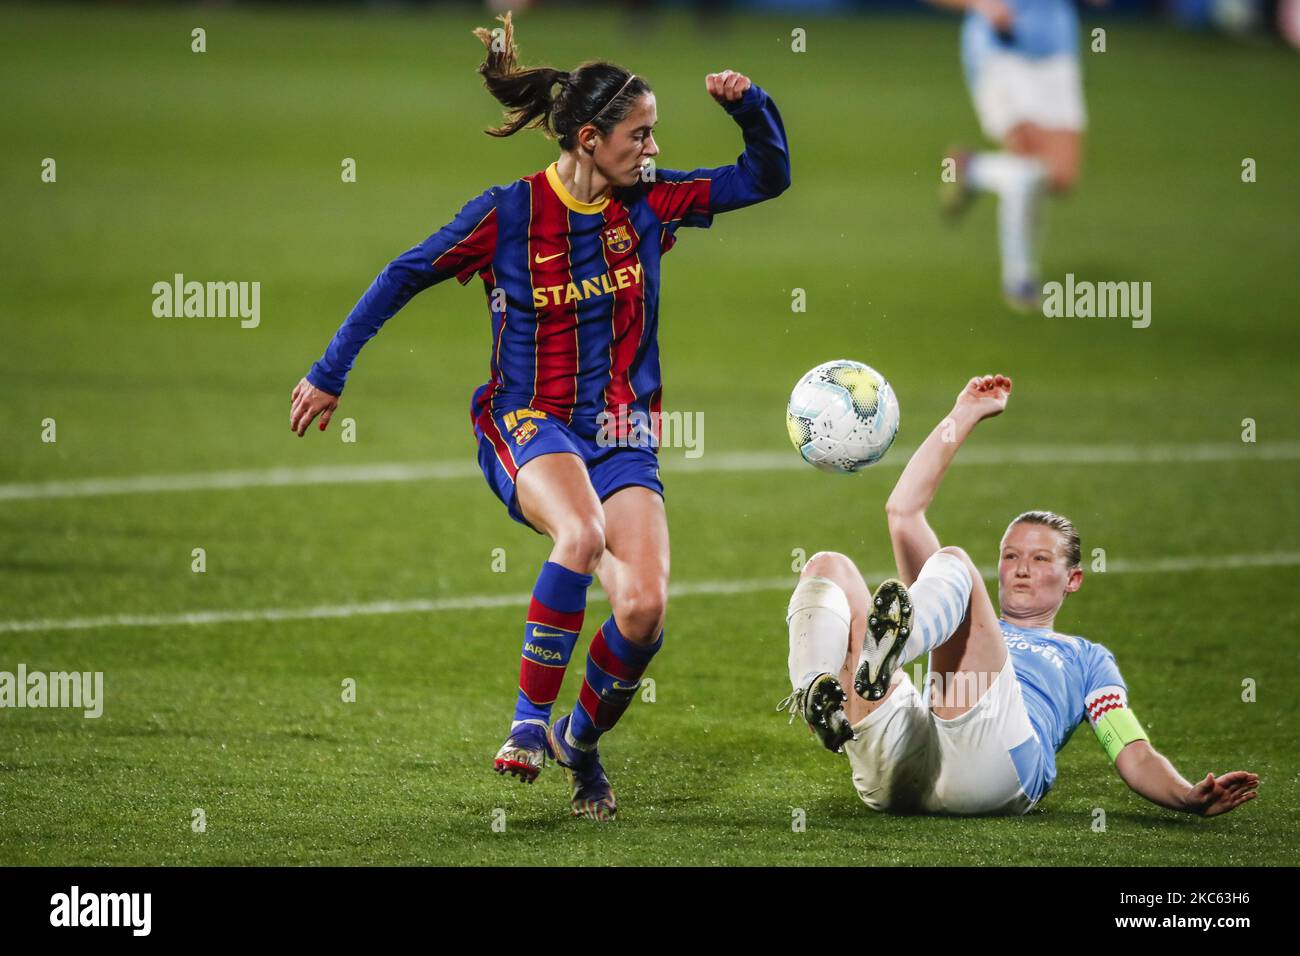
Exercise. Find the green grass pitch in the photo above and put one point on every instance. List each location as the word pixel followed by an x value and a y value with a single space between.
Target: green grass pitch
pixel 226 165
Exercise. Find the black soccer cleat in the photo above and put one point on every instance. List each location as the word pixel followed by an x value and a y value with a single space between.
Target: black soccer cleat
pixel 821 705
pixel 593 797
pixel 888 626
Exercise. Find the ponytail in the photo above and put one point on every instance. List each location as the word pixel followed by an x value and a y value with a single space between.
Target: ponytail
pixel 526 93
pixel 598 93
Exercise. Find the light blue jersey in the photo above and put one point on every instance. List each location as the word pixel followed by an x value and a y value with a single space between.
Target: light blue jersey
pixel 1040 28
pixel 1063 679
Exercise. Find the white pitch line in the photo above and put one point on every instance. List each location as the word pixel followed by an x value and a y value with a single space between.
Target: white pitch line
pixel 231 480
pixel 483 601
pixel 674 464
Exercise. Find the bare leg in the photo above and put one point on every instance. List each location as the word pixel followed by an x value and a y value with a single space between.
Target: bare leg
pixel 634 568
pixel 972 657
pixel 556 497
pixel 1060 150
pixel 634 573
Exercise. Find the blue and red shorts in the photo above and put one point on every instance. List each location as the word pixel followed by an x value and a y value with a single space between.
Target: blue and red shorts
pixel 508 440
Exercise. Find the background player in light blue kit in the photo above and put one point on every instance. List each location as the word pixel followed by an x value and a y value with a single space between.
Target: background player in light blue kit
pixel 1021 59
pixel 1005 692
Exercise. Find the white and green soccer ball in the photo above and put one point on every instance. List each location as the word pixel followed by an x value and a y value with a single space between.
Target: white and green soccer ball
pixel 842 416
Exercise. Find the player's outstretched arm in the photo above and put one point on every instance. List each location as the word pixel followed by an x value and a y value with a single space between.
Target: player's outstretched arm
pixel 461 248
pixel 909 532
pixel 1150 774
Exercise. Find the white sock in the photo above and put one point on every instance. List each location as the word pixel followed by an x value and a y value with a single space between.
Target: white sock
pixel 1018 182
pixel 818 616
pixel 1001 172
pixel 940 597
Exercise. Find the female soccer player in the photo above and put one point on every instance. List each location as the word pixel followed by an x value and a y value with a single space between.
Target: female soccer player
pixel 1021 59
pixel 1005 693
pixel 567 423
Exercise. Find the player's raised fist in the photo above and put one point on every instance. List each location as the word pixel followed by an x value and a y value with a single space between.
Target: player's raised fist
pixel 308 401
pixel 727 86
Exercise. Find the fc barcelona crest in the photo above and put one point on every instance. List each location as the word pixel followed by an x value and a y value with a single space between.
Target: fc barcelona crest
pixel 524 432
pixel 617 240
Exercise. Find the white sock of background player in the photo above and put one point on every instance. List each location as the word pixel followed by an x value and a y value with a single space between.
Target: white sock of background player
pixel 1017 181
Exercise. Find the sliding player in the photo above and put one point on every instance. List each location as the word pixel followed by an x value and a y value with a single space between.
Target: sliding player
pixel 569 258
pixel 1005 693
pixel 1021 59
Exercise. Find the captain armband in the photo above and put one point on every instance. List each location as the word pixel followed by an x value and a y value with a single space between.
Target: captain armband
pixel 1117 729
pixel 1115 725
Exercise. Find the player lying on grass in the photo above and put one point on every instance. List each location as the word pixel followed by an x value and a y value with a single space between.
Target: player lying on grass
pixel 1004 694
pixel 570 258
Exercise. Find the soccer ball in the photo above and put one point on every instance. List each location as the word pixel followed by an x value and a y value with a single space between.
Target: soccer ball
pixel 842 416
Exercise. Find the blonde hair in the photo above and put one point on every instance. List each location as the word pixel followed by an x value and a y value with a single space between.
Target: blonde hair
pixel 1058 523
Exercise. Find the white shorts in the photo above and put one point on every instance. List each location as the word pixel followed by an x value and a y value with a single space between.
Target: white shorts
pixel 1010 89
pixel 905 759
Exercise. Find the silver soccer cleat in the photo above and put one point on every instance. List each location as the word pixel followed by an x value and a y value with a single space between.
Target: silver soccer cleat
pixel 523 755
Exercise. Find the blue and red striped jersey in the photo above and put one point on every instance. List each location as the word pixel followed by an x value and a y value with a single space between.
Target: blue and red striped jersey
pixel 572 287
